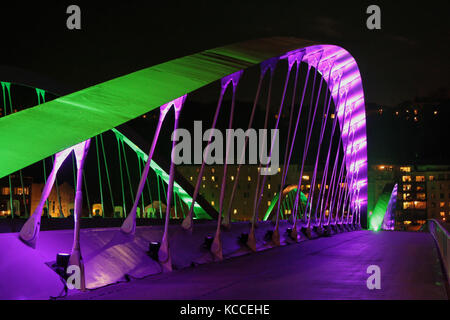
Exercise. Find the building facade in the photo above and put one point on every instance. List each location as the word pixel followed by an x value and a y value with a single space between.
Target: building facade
pixel 243 203
pixel 423 192
pixel 24 195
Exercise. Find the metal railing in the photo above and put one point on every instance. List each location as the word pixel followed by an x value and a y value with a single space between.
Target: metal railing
pixel 442 238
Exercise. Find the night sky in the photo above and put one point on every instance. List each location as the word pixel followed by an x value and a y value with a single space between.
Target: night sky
pixel 408 57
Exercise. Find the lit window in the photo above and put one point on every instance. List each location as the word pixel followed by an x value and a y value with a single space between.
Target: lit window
pixel 279 169
pixel 232 178
pixel 191 178
pixel 420 178
pixel 332 116
pixel 203 178
pixel 213 178
pixel 204 186
pixel 441 204
pixel 405 169
pixel 268 186
pixel 305 177
pixel 212 203
pixel 442 213
pixel 381 167
pixel 431 178
pixel 406 178
pixel 249 178
pixel 421 196
pixel 268 203
pixel 408 205
pixel 235 211
pixel 213 170
pixel 406 187
pixel 5 191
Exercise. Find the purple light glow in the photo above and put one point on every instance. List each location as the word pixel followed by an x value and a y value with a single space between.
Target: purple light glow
pixel 129 225
pixel 351 83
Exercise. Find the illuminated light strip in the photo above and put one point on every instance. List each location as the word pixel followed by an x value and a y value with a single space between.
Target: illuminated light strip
pixel 344 64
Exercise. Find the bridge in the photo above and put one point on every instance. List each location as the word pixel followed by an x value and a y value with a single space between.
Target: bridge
pixel 312 223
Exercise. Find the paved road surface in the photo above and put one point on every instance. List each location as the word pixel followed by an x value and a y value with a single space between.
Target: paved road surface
pixel 324 268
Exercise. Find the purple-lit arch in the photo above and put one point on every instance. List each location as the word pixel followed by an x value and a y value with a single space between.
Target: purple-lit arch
pixel 348 97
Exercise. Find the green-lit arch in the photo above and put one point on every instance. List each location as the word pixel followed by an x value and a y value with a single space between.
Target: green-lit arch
pixel 291 189
pixel 182 194
pixel 377 216
pixel 86 113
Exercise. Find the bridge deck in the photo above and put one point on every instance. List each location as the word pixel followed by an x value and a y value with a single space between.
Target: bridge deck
pixel 325 268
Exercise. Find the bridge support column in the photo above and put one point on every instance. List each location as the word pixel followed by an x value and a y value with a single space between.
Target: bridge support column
pixel 129 225
pixel 319 230
pixel 30 230
pixel 276 235
pixel 76 259
pixel 216 247
pixel 328 231
pixel 164 257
